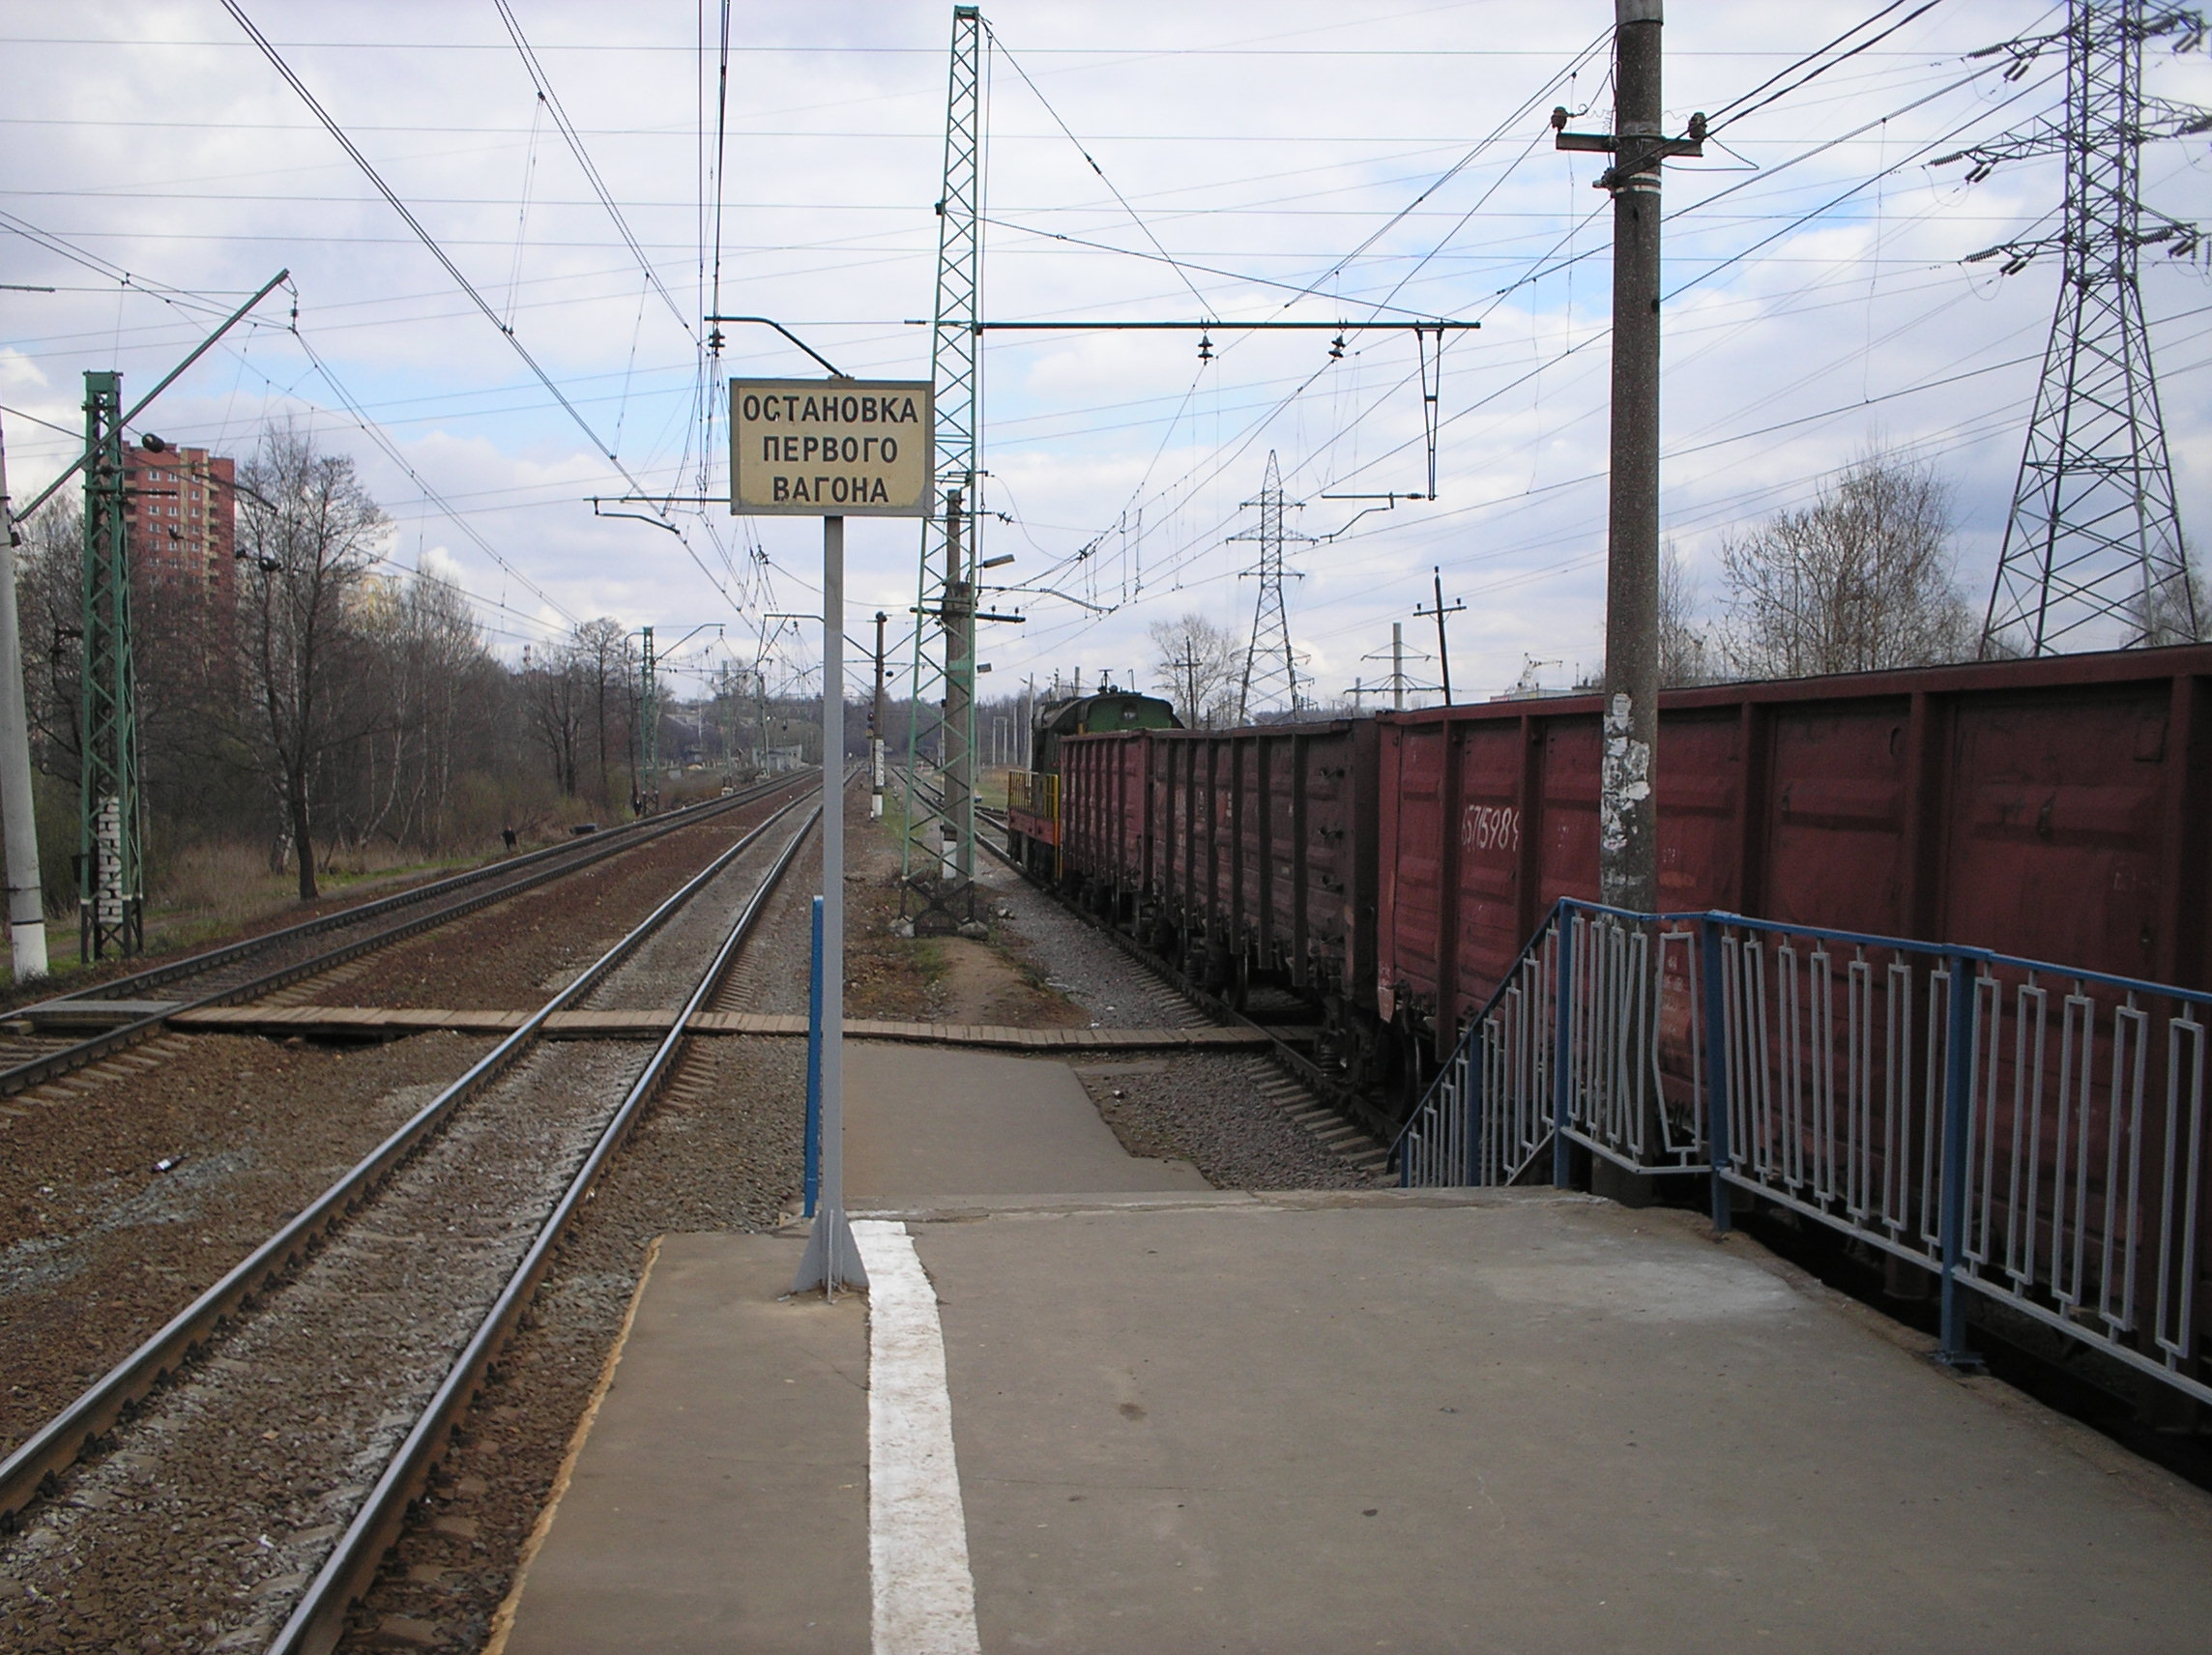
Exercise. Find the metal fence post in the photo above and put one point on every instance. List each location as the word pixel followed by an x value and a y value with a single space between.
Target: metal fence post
pixel 1715 1036
pixel 1471 1104
pixel 1562 1045
pixel 1951 1226
pixel 813 1180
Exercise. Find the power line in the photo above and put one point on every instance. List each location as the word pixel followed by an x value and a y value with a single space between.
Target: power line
pixel 452 270
pixel 576 142
pixel 376 435
pixel 1795 223
pixel 1014 63
pixel 1737 108
pixel 423 235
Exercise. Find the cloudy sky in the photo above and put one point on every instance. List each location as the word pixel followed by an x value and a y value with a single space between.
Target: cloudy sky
pixel 1371 160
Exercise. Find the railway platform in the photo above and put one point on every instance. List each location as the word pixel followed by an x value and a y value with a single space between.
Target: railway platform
pixel 1131 1413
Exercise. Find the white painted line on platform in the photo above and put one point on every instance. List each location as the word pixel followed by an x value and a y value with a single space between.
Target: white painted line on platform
pixel 918 1529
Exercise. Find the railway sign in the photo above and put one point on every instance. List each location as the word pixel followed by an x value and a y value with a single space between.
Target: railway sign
pixel 831 448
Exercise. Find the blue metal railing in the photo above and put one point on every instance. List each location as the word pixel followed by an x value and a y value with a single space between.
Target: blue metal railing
pixel 2030 1132
pixel 1538 1068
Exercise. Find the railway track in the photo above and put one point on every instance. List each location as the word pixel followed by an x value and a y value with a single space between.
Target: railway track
pixel 49 1038
pixel 247 1502
pixel 1347 1104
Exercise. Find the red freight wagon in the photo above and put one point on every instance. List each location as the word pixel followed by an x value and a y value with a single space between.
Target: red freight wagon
pixel 1104 814
pixel 2049 808
pixel 1246 855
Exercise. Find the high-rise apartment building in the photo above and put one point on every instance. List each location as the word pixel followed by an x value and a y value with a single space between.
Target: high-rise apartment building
pixel 181 520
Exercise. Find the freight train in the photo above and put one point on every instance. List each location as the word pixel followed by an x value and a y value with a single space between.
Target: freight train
pixel 1383 872
pixel 1032 795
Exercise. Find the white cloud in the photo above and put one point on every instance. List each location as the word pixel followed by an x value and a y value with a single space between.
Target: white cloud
pixel 1282 142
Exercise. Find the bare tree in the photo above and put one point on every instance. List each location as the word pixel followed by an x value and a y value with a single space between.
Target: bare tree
pixel 427 661
pixel 307 535
pixel 2175 610
pixel 51 602
pixel 602 654
pixel 1684 648
pixel 1860 580
pixel 1203 664
pixel 558 698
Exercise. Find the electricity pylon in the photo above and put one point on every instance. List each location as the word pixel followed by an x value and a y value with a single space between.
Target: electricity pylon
pixel 938 859
pixel 112 888
pixel 2093 555
pixel 1271 665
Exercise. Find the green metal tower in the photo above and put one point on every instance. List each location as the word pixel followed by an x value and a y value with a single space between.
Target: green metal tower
pixel 112 887
pixel 939 855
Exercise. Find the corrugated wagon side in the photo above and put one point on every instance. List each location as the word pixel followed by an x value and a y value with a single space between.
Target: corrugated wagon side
pixel 1246 857
pixel 2052 809
pixel 1104 821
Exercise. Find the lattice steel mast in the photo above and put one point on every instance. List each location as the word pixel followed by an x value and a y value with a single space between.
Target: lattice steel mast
pixel 1270 664
pixel 112 888
pixel 938 859
pixel 2093 556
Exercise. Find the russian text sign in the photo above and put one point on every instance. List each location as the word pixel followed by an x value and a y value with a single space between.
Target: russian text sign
pixel 830 448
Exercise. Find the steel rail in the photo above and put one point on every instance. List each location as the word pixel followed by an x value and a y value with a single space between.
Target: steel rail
pixel 57 1444
pixel 128 987
pixel 94 1047
pixel 317 1621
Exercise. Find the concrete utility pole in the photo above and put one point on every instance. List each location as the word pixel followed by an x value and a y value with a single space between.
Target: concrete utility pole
pixel 26 904
pixel 876 730
pixel 1443 644
pixel 959 728
pixel 1397 666
pixel 648 787
pixel 1628 816
pixel 760 718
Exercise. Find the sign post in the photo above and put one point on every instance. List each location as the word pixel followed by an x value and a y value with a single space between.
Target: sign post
pixel 831 448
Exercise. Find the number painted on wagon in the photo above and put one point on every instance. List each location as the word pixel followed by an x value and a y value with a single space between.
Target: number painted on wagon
pixel 1491 827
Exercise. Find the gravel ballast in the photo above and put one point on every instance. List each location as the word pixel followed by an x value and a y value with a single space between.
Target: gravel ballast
pixel 1221 1114
pixel 99 1248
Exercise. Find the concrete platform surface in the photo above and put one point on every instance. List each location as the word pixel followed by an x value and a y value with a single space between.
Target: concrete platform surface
pixel 1492 1421
pixel 722 1500
pixel 920 1121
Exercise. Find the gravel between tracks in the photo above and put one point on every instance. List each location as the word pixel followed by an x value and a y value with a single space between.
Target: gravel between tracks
pixel 516 953
pixel 190 1535
pixel 225 1494
pixel 97 1249
pixel 1213 1110
pixel 665 968
pixel 1073 958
